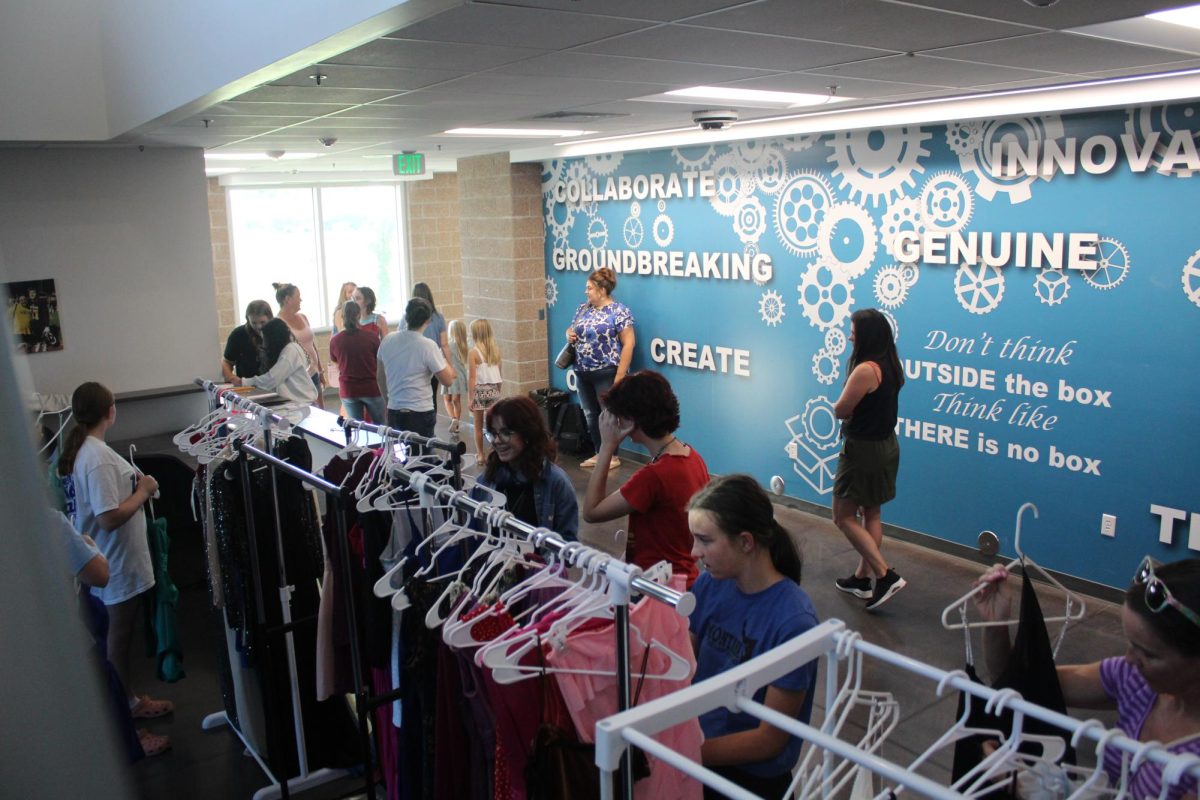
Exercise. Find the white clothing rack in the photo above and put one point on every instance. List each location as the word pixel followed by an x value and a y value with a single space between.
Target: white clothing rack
pixel 624 579
pixel 735 688
pixel 305 779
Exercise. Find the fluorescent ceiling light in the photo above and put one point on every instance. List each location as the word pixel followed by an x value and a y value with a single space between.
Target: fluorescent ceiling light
pixel 1188 16
pixel 783 99
pixel 219 156
pixel 514 132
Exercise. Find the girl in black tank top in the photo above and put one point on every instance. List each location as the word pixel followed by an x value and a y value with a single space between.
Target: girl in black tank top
pixel 870 457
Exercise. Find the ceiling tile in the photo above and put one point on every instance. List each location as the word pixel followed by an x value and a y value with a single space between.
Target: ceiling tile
pixel 669 74
pixel 1191 63
pixel 236 108
pixel 731 48
pixel 240 122
pixel 658 10
pixel 1060 52
pixel 395 52
pixel 866 23
pixel 846 86
pixel 548 86
pixel 515 26
pixel 393 78
pixel 1063 14
pixel 930 71
pixel 314 94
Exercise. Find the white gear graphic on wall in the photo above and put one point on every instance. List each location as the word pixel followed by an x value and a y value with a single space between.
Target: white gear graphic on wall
pixel 1165 120
pixel 1019 131
pixel 662 206
pixel 633 232
pixel 559 219
pixel 911 274
pixel 572 381
pixel 694 158
pixel 552 173
pixel 890 288
pixel 577 172
pixel 820 423
pixel 604 163
pixel 750 221
pixel 771 308
pixel 635 209
pixel 799 208
pixel 771 172
pixel 876 165
pixel 946 203
pixel 835 341
pixel 597 233
pixel 551 292
pixel 799 142
pixel 963 137
pixel 1112 264
pixel 847 237
pixel 979 288
pixel 751 151
pixel 825 296
pixel 1051 286
pixel 663 230
pixel 902 215
pixel 1191 278
pixel 825 367
pixel 734 183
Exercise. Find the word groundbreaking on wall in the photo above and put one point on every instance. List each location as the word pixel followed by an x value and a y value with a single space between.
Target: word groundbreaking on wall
pixel 1042 275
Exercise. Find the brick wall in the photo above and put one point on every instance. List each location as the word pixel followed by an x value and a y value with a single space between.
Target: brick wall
pixel 228 317
pixel 503 274
pixel 435 255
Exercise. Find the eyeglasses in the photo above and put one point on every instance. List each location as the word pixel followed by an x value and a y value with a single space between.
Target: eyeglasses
pixel 502 435
pixel 1158 596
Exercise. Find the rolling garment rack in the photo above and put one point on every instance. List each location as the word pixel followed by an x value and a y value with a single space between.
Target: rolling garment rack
pixel 265 418
pixel 735 688
pixel 625 580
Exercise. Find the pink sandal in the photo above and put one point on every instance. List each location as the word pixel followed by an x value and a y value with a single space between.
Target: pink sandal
pixel 153 744
pixel 145 708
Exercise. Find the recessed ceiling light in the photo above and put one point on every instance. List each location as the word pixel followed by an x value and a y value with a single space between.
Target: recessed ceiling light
pixel 514 132
pixel 757 96
pixel 219 156
pixel 1188 16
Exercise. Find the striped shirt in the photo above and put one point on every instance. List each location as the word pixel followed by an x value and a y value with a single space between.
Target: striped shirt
pixel 1123 683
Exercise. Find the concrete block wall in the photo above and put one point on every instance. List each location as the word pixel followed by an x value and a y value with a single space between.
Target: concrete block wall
pixel 502 233
pixel 435 255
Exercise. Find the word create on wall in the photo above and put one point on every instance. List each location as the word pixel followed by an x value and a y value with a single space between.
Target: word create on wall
pixel 1041 276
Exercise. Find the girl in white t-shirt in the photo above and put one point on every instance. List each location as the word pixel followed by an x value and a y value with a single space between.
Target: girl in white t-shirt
pixel 105 495
pixel 483 378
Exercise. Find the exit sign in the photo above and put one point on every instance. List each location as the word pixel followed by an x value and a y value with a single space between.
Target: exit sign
pixel 408 164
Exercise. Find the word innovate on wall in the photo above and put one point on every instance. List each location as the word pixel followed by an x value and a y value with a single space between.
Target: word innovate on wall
pixel 1096 154
pixel 1050 251
pixel 656 186
pixel 722 266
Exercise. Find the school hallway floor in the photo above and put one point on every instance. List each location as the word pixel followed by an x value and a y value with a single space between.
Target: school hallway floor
pixel 213 764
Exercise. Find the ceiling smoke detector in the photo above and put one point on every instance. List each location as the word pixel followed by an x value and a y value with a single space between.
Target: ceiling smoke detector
pixel 714 119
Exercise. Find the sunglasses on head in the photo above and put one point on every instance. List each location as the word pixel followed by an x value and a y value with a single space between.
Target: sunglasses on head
pixel 1157 595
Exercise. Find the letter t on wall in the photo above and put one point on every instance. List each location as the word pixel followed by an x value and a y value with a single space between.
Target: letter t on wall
pixel 1168 516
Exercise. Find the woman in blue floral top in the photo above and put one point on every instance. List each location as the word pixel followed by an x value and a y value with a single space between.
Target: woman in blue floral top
pixel 602 333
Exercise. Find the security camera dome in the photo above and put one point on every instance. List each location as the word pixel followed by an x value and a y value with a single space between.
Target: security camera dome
pixel 714 119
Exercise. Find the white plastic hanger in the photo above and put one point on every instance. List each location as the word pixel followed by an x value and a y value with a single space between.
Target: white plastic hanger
pixel 1031 567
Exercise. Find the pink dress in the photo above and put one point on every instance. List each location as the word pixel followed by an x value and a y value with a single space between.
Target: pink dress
pixel 590 698
pixel 308 342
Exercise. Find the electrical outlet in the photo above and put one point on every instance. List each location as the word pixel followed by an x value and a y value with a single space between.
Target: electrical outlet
pixel 1108 525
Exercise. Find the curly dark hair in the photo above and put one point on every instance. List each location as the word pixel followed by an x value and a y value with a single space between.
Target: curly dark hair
pixel 647 398
pixel 522 417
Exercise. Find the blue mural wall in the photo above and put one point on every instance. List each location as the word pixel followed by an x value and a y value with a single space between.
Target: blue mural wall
pixel 1063 377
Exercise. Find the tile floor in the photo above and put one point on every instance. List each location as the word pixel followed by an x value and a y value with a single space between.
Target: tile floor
pixel 206 764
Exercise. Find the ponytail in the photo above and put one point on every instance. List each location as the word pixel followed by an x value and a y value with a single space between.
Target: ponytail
pixel 89 406
pixel 737 503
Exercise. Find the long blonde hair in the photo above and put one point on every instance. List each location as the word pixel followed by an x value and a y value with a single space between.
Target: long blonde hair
pixel 481 333
pixel 458 339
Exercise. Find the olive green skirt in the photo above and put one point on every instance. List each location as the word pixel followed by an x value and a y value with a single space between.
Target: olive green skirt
pixel 867 470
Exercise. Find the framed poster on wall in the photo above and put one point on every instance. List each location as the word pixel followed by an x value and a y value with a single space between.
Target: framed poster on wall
pixel 33 315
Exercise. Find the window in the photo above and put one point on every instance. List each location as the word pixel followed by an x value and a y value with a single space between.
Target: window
pixel 318 238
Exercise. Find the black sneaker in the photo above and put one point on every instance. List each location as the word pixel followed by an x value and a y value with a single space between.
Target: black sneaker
pixel 859 587
pixel 885 588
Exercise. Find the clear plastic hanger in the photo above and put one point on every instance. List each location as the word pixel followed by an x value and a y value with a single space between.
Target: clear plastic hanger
pixel 1072 600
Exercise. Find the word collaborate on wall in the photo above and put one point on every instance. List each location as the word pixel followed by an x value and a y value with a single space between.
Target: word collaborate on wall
pixel 1042 275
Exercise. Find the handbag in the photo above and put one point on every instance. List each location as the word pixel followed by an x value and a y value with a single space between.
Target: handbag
pixel 566 356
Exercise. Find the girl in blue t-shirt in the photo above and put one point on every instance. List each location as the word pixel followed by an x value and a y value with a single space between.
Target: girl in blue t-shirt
pixel 748 601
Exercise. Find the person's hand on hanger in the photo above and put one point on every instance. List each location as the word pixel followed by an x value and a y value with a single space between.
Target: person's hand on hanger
pixel 994 600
